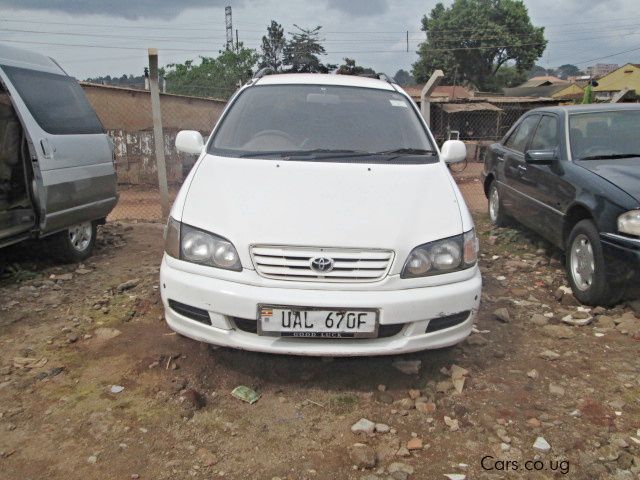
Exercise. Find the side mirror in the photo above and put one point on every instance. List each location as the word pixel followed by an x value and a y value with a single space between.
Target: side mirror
pixel 540 156
pixel 453 151
pixel 189 141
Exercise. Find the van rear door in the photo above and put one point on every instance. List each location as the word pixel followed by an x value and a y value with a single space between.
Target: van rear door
pixel 71 154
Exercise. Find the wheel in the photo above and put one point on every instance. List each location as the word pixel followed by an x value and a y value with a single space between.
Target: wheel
pixel 496 211
pixel 76 243
pixel 586 267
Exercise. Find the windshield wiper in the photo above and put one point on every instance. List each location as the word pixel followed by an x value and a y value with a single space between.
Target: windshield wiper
pixel 610 156
pixel 284 154
pixel 406 151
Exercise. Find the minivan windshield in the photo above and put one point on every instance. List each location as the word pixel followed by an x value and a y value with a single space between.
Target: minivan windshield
pixel 605 135
pixel 323 122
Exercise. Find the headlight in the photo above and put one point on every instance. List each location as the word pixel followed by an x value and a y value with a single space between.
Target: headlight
pixel 197 246
pixel 442 256
pixel 630 223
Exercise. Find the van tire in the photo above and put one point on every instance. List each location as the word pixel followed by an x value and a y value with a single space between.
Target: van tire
pixel 76 243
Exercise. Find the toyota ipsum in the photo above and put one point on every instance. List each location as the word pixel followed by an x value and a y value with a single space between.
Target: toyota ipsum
pixel 321 219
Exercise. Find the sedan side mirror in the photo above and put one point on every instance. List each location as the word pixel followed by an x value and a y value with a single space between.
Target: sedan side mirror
pixel 453 151
pixel 540 156
pixel 189 141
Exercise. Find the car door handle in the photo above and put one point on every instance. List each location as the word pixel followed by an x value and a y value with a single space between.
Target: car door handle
pixel 47 149
pixel 500 158
pixel 522 167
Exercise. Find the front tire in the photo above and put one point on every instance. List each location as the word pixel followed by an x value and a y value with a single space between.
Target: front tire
pixel 76 243
pixel 586 267
pixel 496 210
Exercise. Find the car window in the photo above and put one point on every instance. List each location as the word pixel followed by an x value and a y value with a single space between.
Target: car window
pixel 604 135
pixel 520 137
pixel 56 102
pixel 546 136
pixel 299 118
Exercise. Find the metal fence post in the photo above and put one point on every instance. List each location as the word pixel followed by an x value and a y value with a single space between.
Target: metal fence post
pixel 157 131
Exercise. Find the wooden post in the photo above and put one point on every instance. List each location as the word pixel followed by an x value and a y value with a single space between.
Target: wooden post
pixel 157 131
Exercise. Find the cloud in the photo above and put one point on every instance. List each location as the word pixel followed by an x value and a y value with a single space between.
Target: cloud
pixel 165 9
pixel 359 8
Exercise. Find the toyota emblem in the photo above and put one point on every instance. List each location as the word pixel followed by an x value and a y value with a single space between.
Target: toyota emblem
pixel 321 264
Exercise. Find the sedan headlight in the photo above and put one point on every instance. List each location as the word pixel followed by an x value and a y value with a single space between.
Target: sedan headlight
pixel 629 223
pixel 442 256
pixel 197 246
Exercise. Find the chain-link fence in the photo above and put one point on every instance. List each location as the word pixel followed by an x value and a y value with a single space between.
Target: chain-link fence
pixel 126 114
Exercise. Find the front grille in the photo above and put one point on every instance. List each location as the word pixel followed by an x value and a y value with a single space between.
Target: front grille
pixel 294 263
pixel 441 323
pixel 384 331
pixel 194 313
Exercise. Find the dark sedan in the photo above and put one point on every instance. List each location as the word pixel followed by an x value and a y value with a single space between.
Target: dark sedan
pixel 572 174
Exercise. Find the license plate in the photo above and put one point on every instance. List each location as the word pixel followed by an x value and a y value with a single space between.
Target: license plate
pixel 310 322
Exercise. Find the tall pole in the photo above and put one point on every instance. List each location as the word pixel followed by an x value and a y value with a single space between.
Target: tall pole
pixel 157 131
pixel 229 26
pixel 237 42
pixel 407 40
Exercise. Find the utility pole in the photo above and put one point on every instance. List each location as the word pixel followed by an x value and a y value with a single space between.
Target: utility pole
pixel 237 42
pixel 229 26
pixel 407 40
pixel 157 131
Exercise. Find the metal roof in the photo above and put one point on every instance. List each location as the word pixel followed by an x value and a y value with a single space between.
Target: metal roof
pixel 469 107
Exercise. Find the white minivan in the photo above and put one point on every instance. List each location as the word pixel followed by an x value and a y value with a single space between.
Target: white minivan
pixel 321 219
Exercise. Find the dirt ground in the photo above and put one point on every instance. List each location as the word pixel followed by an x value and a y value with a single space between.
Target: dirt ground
pixel 72 336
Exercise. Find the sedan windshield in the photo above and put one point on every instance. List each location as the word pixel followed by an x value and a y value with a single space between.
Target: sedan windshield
pixel 605 135
pixel 323 122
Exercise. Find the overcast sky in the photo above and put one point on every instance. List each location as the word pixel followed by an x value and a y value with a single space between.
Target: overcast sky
pixel 371 31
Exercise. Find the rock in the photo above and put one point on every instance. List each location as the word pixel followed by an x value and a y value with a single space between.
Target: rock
pixel 539 319
pixel 573 319
pixel 63 277
pixel 128 285
pixel 625 461
pixel 363 426
pixel 413 394
pixel 408 367
pixel 403 452
pixel 541 445
pixel 83 271
pixel 207 458
pixel 444 386
pixel 455 476
pixel 550 355
pixel 362 455
pixel 92 459
pixel 72 338
pixel 605 322
pixel 492 239
pixel 414 444
pixel 558 331
pixel 502 315
pixel 533 374
pixel 194 399
pixel 135 476
pixel 382 428
pixel 400 467
pixel 476 340
pixel 116 388
pixel 105 333
pixel 556 389
pixel 383 397
pixel 425 406
pixel 452 423
pixel 634 305
pixel 405 403
pixel 533 423
pixel 629 326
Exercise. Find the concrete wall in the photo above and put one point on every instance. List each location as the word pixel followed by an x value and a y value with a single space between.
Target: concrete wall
pixel 126 115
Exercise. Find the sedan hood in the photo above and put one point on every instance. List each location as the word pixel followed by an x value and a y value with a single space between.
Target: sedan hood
pixel 623 173
pixel 322 204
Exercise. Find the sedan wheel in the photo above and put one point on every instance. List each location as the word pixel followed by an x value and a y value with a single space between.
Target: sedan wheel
pixel 80 236
pixel 582 262
pixel 495 207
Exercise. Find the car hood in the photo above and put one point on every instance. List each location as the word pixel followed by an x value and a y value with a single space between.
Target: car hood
pixel 623 173
pixel 322 204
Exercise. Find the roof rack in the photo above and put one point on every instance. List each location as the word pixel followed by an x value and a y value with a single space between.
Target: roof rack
pixel 262 72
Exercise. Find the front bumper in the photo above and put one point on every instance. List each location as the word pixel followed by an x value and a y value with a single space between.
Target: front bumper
pixel 622 255
pixel 226 301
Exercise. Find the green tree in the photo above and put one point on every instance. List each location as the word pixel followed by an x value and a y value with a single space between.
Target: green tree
pixel 402 77
pixel 350 68
pixel 301 53
pixel 472 39
pixel 273 44
pixel 568 70
pixel 508 76
pixel 537 71
pixel 214 77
